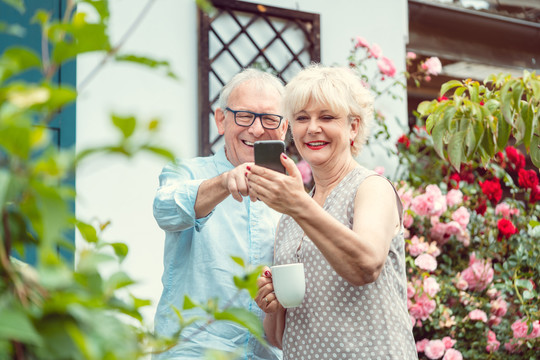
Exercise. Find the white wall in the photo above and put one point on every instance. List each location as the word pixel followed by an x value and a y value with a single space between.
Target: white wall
pixel 122 190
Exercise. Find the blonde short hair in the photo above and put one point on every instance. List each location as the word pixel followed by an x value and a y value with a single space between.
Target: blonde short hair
pixel 340 88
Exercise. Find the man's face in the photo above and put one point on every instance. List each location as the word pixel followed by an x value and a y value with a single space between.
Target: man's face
pixel 239 140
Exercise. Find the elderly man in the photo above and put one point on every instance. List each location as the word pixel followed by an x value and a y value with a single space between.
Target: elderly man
pixel 204 226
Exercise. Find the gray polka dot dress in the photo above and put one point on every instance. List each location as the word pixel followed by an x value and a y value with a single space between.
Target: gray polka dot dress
pixel 336 319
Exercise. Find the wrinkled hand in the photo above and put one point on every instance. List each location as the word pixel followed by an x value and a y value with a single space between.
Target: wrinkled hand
pixel 281 192
pixel 235 181
pixel 266 299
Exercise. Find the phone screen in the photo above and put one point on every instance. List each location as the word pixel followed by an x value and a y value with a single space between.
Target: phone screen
pixel 268 152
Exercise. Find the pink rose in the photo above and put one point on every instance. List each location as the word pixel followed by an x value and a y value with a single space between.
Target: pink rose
pixel 448 342
pixel 461 284
pixel 454 197
pixel 435 349
pixel 432 66
pixel 417 247
pixel 407 220
pixel 426 262
pixel 361 42
pixel 406 196
pixel 462 216
pixel 431 287
pixel 437 199
pixel 379 170
pixel 421 205
pixel 492 342
pixel 478 275
pixel 452 354
pixel 423 307
pixel 478 315
pixel 410 55
pixel 499 307
pixel 520 329
pixel 386 66
pixel 433 249
pixel 494 320
pixel 305 171
pixel 505 210
pixel 410 290
pixel 375 51
pixel 493 293
pixel 421 345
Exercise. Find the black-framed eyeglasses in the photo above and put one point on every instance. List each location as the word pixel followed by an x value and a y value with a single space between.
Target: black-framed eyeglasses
pixel 247 118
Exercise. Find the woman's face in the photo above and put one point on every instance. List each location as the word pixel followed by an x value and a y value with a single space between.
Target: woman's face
pixel 321 135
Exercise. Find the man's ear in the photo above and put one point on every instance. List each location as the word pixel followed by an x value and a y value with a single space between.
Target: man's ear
pixel 283 128
pixel 219 117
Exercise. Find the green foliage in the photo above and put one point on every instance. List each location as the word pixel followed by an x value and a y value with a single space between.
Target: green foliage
pixel 55 309
pixel 478 120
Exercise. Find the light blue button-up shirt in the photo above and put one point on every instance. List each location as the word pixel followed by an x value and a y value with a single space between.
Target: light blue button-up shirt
pixel 197 259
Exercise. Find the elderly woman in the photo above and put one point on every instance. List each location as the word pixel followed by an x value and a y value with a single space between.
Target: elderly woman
pixel 348 231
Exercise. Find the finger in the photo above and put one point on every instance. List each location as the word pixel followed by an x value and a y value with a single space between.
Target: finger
pixel 233 189
pixel 290 166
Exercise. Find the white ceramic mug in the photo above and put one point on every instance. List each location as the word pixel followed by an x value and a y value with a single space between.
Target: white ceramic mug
pixel 289 284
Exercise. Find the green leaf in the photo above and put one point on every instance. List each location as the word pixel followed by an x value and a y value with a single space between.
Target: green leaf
pixel 126 124
pixel 88 232
pixel 188 303
pixel 535 151
pixel 116 281
pixel 528 295
pixel 245 318
pixel 12 29
pixel 82 37
pixel 449 85
pixel 16 4
pixel 503 133
pixel 239 261
pixel 16 325
pixel 527 121
pixel 523 283
pixel 120 249
pixel 16 60
pixel 455 149
pixel 506 103
pixel 101 6
pixel 148 62
pixel 160 151
pixel 249 281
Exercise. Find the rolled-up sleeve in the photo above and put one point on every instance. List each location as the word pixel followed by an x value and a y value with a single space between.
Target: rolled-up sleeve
pixel 174 203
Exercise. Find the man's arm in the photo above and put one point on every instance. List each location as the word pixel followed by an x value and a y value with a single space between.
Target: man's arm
pixel 213 191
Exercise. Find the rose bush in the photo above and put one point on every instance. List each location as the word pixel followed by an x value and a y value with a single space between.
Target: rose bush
pixel 472 235
pixel 472 254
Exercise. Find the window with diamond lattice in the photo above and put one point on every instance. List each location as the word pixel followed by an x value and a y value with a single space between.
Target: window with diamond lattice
pixel 238 35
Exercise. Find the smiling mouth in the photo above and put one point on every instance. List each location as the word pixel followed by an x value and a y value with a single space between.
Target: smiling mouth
pixel 248 143
pixel 316 145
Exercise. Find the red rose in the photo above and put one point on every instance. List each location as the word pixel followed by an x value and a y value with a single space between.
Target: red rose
pixel 481 207
pixel 527 179
pixel 516 158
pixel 535 194
pixel 403 139
pixel 506 228
pixel 454 180
pixel 442 98
pixel 499 158
pixel 492 189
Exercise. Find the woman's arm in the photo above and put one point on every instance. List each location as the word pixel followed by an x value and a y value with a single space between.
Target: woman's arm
pixel 357 254
pixel 274 327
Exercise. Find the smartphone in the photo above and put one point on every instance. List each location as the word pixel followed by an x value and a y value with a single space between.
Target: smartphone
pixel 268 154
